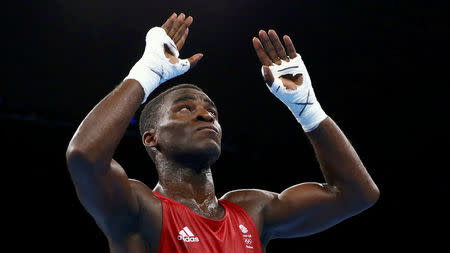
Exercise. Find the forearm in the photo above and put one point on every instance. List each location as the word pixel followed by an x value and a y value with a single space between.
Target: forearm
pixel 339 162
pixel 100 132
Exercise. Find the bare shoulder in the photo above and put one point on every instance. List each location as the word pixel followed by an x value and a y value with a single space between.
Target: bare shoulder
pixel 138 185
pixel 144 194
pixel 150 214
pixel 249 196
pixel 253 201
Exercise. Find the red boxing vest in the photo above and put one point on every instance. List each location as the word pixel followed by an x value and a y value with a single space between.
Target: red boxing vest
pixel 184 231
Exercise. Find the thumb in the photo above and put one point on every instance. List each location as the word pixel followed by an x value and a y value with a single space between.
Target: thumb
pixel 193 60
pixel 268 76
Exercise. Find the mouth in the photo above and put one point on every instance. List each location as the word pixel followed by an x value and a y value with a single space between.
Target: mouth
pixel 208 128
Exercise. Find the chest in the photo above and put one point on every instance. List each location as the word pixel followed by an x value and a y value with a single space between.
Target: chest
pixel 184 230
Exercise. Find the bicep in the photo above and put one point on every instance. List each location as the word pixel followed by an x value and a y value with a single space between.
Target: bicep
pixel 305 209
pixel 105 192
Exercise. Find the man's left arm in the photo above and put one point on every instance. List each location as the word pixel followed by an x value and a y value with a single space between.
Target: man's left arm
pixel 309 208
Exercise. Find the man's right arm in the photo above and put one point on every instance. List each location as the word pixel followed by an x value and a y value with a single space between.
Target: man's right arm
pixel 101 183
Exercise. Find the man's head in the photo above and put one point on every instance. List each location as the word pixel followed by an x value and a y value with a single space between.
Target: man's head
pixel 181 124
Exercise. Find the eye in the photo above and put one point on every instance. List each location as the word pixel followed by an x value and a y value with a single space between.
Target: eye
pixel 213 112
pixel 184 108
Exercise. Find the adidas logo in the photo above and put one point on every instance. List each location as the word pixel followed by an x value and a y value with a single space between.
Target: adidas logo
pixel 186 235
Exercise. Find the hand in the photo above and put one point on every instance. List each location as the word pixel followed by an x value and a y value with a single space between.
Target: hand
pixel 160 61
pixel 177 28
pixel 270 51
pixel 289 81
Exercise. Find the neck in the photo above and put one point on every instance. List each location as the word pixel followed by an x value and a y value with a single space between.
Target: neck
pixel 185 183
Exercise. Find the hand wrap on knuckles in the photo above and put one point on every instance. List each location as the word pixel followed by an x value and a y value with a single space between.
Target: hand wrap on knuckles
pixel 154 67
pixel 302 101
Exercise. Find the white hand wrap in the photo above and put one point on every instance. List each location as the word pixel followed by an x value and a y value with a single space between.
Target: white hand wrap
pixel 302 102
pixel 154 67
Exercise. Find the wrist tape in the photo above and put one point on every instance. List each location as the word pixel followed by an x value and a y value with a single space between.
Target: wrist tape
pixel 154 67
pixel 302 101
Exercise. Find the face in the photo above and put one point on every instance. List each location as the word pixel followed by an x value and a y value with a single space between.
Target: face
pixel 189 128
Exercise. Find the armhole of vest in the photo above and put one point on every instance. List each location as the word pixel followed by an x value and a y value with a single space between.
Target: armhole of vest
pixel 163 230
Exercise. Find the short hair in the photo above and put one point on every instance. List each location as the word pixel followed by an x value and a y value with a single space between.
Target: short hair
pixel 150 115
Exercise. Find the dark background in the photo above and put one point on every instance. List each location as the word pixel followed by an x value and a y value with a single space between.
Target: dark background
pixel 379 69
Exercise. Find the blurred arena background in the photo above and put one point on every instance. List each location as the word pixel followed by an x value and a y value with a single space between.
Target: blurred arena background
pixel 379 69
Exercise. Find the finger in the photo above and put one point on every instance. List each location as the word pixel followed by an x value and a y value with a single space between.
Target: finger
pixel 263 57
pixel 193 60
pixel 176 25
pixel 181 31
pixel 168 24
pixel 180 42
pixel 268 76
pixel 289 46
pixel 268 47
pixel 277 45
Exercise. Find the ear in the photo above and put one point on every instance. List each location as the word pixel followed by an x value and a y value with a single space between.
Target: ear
pixel 149 138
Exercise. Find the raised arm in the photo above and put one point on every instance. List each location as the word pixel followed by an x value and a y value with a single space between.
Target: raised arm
pixel 309 208
pixel 101 183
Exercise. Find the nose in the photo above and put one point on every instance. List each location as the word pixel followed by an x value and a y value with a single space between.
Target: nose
pixel 204 115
